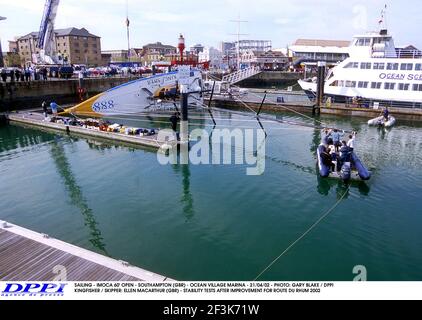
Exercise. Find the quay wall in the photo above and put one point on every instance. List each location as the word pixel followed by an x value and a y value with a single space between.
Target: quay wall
pixel 407 114
pixel 21 95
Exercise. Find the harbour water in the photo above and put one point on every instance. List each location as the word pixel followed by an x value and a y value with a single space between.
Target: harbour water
pixel 213 222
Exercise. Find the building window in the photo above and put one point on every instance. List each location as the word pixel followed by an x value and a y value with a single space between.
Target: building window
pixel 85 38
pixel 418 67
pixel 94 45
pixel 365 65
pixel 379 66
pixel 75 38
pixel 86 44
pixel 64 44
pixel 375 85
pixel 76 44
pixel 404 86
pixel 406 66
pixel 389 86
pixel 363 84
pixel 417 87
pixel 392 66
pixel 77 51
pixel 95 51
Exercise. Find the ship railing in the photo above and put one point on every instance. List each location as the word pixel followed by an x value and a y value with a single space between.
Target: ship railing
pixel 241 75
pixel 409 54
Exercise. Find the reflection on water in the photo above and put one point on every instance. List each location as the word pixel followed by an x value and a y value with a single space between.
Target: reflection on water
pixel 186 198
pixel 237 223
pixel 63 166
pixel 325 185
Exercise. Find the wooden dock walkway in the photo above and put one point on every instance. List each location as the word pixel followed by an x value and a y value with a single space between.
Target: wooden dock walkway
pixel 26 255
pixel 35 119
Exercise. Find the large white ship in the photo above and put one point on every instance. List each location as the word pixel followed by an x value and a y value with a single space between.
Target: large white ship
pixel 376 73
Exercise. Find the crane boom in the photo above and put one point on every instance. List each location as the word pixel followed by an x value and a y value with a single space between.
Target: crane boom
pixel 46 35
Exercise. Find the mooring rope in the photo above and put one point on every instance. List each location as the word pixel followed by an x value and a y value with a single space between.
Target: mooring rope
pixel 304 234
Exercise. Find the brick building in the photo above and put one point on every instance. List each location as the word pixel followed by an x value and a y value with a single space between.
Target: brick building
pixel 78 46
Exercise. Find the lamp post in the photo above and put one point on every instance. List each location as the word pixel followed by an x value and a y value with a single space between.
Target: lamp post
pixel 1 51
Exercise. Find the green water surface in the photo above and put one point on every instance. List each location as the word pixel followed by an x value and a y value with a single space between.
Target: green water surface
pixel 213 222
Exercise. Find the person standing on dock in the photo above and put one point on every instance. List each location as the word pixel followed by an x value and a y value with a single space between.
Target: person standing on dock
pixel 54 106
pixel 3 74
pixel 44 108
pixel 174 119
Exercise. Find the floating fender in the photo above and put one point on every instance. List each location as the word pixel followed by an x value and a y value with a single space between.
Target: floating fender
pixel 324 171
pixel 364 173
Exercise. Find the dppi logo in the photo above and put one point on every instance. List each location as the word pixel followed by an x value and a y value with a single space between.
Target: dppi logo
pixel 33 289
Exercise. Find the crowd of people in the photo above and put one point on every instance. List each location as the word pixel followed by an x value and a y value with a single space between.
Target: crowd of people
pixel 337 150
pixel 23 74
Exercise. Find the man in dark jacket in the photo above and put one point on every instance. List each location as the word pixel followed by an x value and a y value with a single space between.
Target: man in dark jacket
pixel 174 119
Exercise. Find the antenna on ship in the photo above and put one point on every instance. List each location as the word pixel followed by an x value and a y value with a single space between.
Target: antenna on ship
pixel 238 34
pixel 383 20
pixel 127 30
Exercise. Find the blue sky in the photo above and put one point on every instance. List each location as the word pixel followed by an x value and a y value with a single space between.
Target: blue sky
pixel 207 21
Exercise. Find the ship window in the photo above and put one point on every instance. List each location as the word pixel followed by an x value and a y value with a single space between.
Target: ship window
pixel 352 65
pixel 417 87
pixel 376 85
pixel 365 65
pixel 363 84
pixel 341 83
pixel 406 66
pixel 350 84
pixel 404 86
pixel 392 66
pixel 418 67
pixel 379 66
pixel 389 85
pixel 365 42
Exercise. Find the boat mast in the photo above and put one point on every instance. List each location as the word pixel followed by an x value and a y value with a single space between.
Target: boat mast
pixel 127 30
pixel 238 34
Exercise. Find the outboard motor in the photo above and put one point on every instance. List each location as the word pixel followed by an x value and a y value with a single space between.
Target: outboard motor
pixel 346 171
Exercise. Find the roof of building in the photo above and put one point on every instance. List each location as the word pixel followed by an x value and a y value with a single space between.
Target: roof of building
pixel 64 32
pixel 267 54
pixel 321 43
pixel 159 45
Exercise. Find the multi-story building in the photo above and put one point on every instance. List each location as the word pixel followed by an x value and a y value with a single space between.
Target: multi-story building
pixel 117 55
pixel 214 56
pixel 158 49
pixel 310 50
pixel 253 45
pixel 76 46
pixel 269 60
pixel 227 47
pixel 197 49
